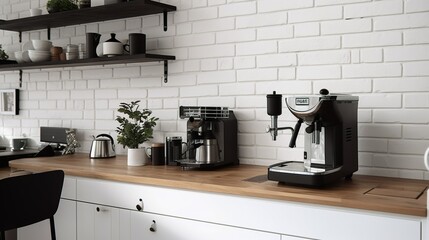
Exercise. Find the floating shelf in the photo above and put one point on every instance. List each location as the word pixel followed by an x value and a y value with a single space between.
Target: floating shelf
pixel 120 10
pixel 88 15
pixel 138 58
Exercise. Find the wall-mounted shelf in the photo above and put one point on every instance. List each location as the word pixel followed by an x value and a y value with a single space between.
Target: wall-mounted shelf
pixel 120 10
pixel 88 15
pixel 88 62
pixel 138 58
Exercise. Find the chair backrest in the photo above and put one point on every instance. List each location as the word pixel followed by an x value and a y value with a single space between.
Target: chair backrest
pixel 28 199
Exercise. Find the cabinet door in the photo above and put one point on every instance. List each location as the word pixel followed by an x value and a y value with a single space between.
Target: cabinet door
pixel 97 222
pixel 158 227
pixel 65 224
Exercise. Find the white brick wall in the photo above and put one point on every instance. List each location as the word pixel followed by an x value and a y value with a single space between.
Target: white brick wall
pixel 233 53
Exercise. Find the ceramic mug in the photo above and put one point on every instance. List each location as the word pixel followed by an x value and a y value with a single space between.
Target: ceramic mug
pixel 156 153
pixel 18 144
pixel 136 44
pixel 426 159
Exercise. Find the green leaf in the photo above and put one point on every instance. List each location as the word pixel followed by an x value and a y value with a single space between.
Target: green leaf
pixel 137 127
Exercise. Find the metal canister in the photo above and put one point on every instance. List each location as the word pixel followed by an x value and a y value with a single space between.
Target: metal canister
pixel 173 148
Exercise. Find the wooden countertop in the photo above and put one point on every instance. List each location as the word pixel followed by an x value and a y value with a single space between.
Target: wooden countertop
pixel 4 172
pixel 392 195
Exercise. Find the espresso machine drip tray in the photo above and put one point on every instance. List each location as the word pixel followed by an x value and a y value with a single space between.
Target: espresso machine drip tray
pixel 188 164
pixel 294 172
pixel 298 168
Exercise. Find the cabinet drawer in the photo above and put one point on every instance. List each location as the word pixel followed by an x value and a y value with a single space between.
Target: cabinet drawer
pixel 158 227
pixel 69 188
pixel 283 217
pixel 110 193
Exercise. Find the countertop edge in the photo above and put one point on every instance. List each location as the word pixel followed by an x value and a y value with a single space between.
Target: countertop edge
pixel 349 203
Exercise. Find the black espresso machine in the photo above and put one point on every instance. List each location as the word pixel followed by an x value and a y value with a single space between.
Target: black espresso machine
pixel 211 137
pixel 330 138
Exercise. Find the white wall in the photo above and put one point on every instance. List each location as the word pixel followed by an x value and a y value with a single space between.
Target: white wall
pixel 232 53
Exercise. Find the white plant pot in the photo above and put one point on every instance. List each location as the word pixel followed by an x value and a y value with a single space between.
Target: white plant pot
pixel 136 157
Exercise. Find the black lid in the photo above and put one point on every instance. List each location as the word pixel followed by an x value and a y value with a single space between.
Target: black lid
pixel 274 104
pixel 112 39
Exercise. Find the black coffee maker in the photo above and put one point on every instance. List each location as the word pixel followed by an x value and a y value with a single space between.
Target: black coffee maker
pixel 211 137
pixel 330 138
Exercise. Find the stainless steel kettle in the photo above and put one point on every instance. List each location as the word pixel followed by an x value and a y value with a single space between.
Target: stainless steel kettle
pixel 208 151
pixel 102 146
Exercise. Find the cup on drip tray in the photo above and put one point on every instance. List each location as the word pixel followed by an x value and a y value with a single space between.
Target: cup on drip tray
pixel 72 52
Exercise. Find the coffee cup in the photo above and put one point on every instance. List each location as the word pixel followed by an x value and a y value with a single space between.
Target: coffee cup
pixel 136 43
pixel 18 144
pixel 156 153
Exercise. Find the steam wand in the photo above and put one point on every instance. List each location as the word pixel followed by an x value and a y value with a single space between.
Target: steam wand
pixel 273 130
pixel 274 109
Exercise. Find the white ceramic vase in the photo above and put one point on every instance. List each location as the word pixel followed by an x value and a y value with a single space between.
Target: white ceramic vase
pixel 136 157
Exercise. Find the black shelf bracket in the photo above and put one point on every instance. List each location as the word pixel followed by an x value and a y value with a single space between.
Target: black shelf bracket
pixel 20 78
pixel 49 33
pixel 20 37
pixel 165 20
pixel 165 71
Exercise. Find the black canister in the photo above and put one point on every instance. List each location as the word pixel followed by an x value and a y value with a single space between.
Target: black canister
pixel 136 43
pixel 173 148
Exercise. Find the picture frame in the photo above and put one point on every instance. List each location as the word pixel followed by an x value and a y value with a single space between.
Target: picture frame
pixel 9 101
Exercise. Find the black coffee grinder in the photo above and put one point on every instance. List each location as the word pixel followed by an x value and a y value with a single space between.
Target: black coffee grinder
pixel 330 138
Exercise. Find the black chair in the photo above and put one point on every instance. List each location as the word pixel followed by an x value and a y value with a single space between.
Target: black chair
pixel 29 199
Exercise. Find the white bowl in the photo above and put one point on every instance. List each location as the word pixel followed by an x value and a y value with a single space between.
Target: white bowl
pixel 41 45
pixel 39 56
pixel 25 56
pixel 18 56
pixel 27 46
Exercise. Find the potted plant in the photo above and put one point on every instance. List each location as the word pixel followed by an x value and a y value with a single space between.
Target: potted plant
pixel 135 128
pixel 3 54
pixel 54 6
pixel 4 57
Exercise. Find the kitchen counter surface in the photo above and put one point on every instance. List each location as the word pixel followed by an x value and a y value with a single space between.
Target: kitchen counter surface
pixel 391 195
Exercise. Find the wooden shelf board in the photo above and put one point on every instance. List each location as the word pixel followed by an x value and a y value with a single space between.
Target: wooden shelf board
pixel 87 15
pixel 88 62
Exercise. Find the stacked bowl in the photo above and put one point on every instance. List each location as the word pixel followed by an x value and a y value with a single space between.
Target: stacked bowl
pixel 41 51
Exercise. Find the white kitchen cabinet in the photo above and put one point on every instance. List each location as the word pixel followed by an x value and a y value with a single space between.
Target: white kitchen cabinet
pixel 191 215
pixel 158 227
pixel 291 219
pixel 65 218
pixel 98 222
pixel 65 224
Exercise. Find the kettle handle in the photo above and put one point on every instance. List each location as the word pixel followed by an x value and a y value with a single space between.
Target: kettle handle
pixel 426 159
pixel 107 135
